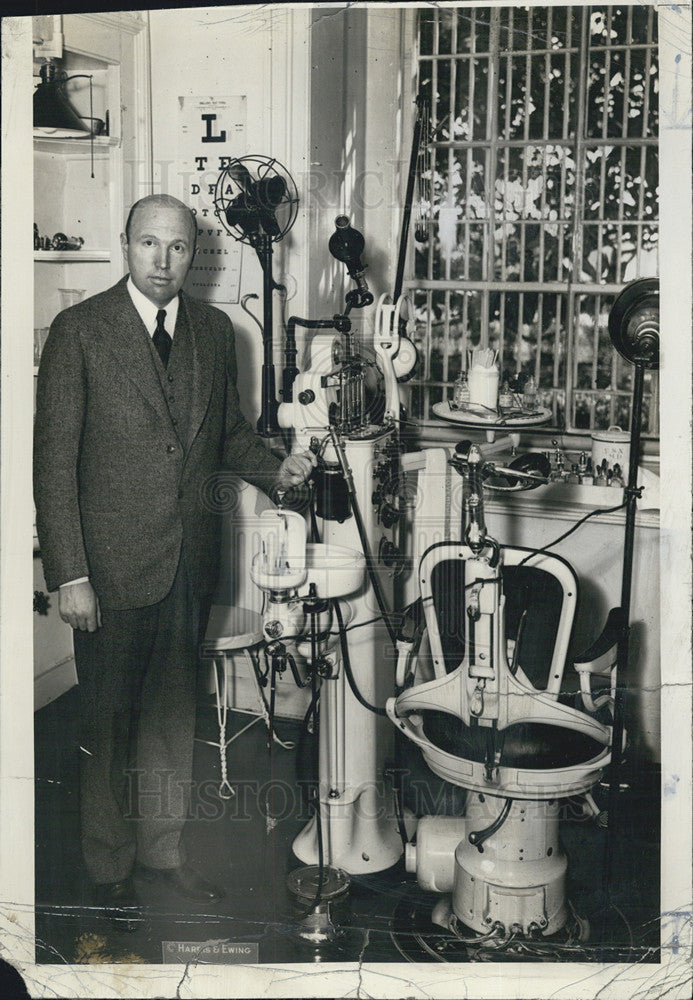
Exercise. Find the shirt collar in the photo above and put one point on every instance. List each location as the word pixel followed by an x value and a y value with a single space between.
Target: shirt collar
pixel 147 310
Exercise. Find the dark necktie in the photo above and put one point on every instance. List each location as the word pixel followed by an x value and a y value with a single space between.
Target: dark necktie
pixel 162 340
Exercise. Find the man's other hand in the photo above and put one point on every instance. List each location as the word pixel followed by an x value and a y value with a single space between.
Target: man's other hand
pixel 79 606
pixel 295 469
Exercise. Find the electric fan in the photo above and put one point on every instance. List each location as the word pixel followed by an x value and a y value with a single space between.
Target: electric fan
pixel 256 201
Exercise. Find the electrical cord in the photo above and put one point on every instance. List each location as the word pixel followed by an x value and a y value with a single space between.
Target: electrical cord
pixel 273 691
pixel 315 796
pixel 480 580
pixel 550 545
pixel 347 664
pixel 350 628
pixel 403 953
pixel 427 948
pixel 396 785
pixel 314 532
pixel 269 707
pixel 369 621
pixel 303 733
pixel 397 796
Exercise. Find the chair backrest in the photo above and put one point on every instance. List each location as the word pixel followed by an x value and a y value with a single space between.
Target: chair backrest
pixel 540 602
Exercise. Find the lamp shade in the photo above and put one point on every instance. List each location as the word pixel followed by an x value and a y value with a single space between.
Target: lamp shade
pixel 634 323
pixel 53 113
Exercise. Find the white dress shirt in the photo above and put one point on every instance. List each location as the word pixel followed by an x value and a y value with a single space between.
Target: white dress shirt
pixel 147 310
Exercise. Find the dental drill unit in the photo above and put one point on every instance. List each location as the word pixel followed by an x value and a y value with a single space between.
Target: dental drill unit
pixel 345 406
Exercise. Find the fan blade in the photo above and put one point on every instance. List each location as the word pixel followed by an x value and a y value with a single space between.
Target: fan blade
pixel 239 173
pixel 269 192
pixel 241 215
pixel 253 209
pixel 268 222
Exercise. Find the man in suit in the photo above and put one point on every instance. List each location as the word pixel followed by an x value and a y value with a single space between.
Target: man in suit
pixel 137 409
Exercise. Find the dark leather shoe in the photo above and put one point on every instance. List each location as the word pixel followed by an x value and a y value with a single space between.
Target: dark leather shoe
pixel 185 881
pixel 119 902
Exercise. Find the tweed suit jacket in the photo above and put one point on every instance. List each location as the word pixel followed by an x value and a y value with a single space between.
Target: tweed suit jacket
pixel 118 493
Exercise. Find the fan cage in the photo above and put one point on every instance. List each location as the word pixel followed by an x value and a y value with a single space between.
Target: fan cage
pixel 260 170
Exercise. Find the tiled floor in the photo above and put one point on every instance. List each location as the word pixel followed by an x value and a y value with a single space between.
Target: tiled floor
pixel 238 844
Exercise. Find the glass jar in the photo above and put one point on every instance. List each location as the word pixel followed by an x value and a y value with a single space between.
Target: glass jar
pixel 505 397
pixel 529 395
pixel 460 392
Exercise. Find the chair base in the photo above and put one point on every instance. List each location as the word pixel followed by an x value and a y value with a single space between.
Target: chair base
pixel 359 837
pixel 512 880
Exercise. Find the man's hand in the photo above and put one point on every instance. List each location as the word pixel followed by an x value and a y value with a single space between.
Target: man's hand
pixel 79 606
pixel 295 469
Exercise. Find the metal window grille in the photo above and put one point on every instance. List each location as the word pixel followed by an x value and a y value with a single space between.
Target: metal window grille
pixel 541 199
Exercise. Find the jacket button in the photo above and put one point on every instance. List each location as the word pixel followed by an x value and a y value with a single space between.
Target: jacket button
pixel 180 494
pixel 170 448
pixel 171 399
pixel 170 378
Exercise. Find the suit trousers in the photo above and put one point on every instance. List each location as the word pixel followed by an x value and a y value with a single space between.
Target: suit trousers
pixel 137 685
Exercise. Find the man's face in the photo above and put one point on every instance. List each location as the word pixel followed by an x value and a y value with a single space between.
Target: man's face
pixel 159 251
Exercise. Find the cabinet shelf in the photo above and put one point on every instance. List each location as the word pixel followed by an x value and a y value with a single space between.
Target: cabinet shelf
pixel 46 143
pixel 71 256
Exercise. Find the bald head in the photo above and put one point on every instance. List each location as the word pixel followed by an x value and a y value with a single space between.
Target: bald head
pixel 160 199
pixel 158 245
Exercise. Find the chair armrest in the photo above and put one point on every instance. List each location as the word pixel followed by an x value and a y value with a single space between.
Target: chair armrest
pixel 599 659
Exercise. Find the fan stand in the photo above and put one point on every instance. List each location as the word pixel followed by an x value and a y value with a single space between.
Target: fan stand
pixel 634 332
pixel 246 207
pixel 267 425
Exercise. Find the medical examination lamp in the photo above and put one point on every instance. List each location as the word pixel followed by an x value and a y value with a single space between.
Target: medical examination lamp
pixel 634 332
pixel 53 113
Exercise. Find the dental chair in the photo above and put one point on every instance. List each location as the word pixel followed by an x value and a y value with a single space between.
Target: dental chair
pixel 493 720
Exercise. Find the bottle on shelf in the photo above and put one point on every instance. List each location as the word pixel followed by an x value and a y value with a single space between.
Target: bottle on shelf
pixel 588 474
pixel 529 395
pixel 505 396
pixel 557 461
pixel 600 479
pixel 460 392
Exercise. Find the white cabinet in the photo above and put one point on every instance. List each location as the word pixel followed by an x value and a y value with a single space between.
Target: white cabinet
pixel 82 188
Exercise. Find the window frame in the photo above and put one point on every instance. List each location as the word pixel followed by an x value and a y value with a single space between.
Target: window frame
pixel 569 289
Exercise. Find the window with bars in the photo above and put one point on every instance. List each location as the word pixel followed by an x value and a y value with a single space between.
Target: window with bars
pixel 538 199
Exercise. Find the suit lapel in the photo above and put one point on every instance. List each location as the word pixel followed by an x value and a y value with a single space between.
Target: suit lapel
pixel 128 342
pixel 203 369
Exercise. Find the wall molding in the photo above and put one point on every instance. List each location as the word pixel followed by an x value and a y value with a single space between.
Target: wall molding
pixel 130 22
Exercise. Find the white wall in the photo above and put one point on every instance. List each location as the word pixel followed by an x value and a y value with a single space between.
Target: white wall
pixel 361 114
